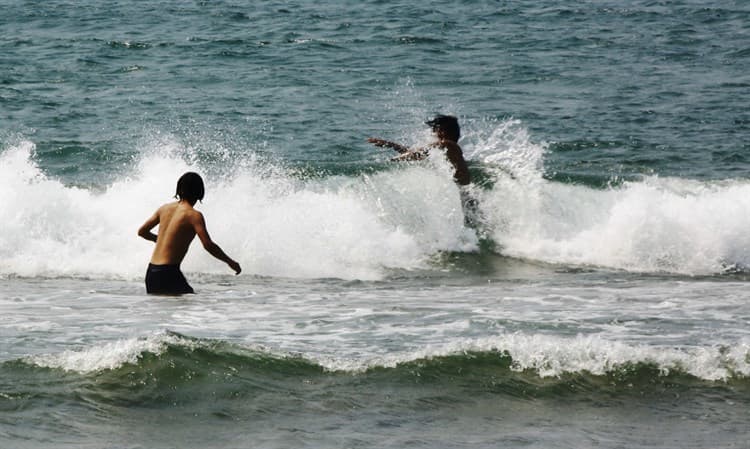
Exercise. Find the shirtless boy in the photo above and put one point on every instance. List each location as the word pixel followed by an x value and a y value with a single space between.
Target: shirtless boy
pixel 178 224
pixel 448 132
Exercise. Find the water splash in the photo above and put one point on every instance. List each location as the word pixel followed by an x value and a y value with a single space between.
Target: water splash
pixel 278 223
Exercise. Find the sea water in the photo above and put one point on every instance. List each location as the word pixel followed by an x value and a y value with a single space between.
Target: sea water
pixel 602 300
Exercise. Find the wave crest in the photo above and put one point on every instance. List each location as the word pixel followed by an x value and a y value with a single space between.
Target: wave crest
pixel 538 355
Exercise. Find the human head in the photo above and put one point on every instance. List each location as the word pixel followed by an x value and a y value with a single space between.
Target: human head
pixel 190 187
pixel 447 125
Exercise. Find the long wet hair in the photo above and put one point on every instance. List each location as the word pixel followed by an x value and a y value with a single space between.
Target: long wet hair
pixel 190 187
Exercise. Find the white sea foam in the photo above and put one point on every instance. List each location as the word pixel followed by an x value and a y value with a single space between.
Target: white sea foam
pixel 658 225
pixel 110 355
pixel 272 222
pixel 547 356
pixel 279 224
pixel 551 356
pixel 655 225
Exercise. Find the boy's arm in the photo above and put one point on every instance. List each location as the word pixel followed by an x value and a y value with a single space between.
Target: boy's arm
pixel 405 153
pixel 386 143
pixel 145 229
pixel 199 224
pixel 416 155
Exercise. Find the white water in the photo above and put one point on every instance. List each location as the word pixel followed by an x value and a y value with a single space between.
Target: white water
pixel 272 223
pixel 547 356
pixel 276 224
pixel 550 325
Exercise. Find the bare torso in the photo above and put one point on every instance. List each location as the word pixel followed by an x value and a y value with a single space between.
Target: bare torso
pixel 176 232
pixel 178 225
pixel 455 155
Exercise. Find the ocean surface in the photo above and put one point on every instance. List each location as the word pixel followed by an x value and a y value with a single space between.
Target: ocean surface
pixel 602 301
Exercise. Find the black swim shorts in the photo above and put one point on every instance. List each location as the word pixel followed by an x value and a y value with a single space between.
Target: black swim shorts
pixel 166 280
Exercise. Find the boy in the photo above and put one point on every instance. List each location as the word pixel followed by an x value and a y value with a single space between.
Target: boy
pixel 448 132
pixel 178 224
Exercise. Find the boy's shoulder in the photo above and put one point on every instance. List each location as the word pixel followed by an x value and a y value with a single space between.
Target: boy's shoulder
pixel 446 144
pixel 187 211
pixel 166 207
pixel 451 145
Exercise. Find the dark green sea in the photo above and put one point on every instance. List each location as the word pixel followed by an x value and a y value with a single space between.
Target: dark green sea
pixel 600 301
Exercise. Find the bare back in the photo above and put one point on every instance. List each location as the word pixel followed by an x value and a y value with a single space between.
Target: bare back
pixel 176 232
pixel 178 225
pixel 455 156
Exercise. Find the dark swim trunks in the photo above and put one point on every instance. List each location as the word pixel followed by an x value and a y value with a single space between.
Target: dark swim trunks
pixel 166 280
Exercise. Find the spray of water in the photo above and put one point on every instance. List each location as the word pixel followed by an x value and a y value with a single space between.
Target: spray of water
pixel 277 223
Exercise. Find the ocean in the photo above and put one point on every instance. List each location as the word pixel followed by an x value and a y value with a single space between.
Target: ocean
pixel 601 301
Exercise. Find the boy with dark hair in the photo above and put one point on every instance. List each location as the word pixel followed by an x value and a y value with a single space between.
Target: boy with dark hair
pixel 448 132
pixel 178 224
